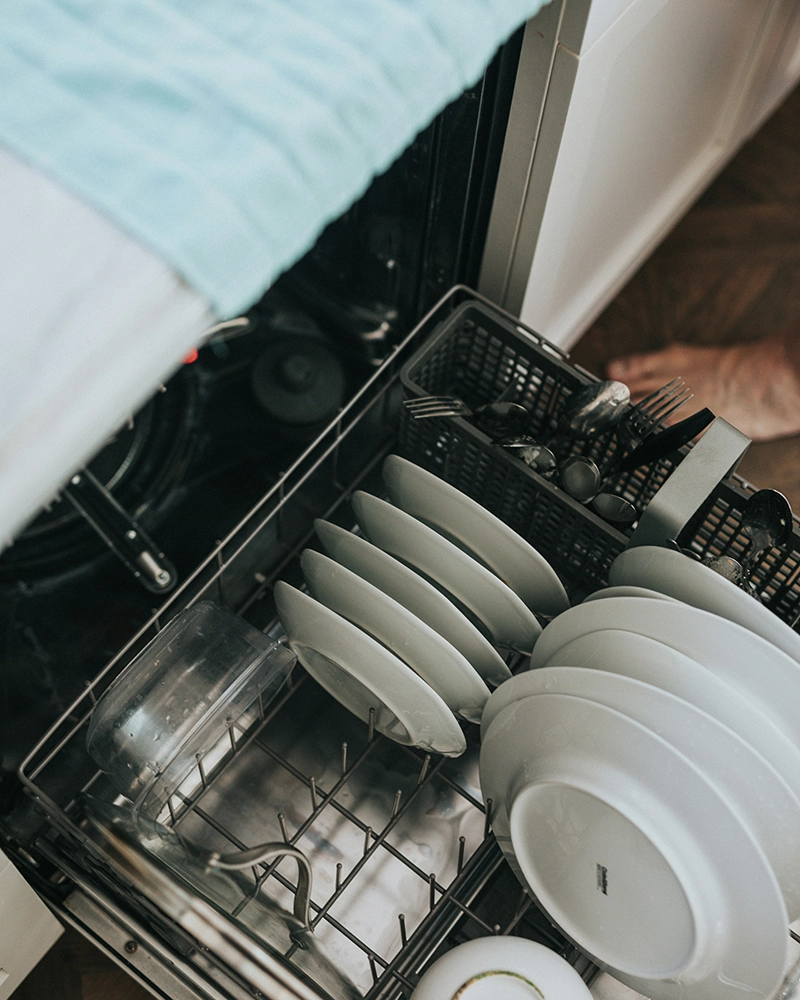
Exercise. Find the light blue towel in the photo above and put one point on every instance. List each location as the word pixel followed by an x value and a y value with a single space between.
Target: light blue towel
pixel 225 134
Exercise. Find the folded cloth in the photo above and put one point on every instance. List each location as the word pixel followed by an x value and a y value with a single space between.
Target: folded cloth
pixel 91 322
pixel 225 136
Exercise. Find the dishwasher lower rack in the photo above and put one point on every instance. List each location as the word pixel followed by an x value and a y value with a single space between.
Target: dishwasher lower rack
pixel 405 864
pixel 404 861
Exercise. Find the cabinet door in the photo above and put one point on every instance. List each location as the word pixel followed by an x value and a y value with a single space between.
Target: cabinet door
pixel 649 120
pixel 27 928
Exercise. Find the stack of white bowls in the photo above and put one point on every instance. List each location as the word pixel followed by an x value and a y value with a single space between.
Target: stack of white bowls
pixel 644 779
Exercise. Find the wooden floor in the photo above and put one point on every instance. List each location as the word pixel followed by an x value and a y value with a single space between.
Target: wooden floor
pixel 730 271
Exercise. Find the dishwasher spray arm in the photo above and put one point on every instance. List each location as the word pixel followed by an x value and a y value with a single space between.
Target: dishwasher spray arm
pixel 121 533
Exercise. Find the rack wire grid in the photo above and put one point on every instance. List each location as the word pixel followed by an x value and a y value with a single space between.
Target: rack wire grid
pixel 388 830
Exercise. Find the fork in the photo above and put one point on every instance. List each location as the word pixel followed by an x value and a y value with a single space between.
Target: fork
pixel 499 418
pixel 641 419
pixel 440 406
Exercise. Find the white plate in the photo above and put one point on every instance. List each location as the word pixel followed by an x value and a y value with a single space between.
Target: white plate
pixel 417 595
pixel 624 591
pixel 475 529
pixel 362 674
pixel 688 580
pixel 425 651
pixel 751 786
pixel 633 852
pixel 506 619
pixel 501 968
pixel 767 675
pixel 654 663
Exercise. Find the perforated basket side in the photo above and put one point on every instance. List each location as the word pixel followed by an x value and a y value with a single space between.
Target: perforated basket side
pixel 478 356
pixel 578 543
pixel 716 530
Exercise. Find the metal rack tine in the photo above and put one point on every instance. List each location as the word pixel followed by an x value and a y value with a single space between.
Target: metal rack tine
pixel 313 789
pixel 396 804
pixel 425 765
pixel 373 969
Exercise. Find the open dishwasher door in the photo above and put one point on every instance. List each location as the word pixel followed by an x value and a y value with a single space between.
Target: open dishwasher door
pixel 29 928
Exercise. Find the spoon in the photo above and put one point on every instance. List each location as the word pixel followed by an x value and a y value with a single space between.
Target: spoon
pixel 501 419
pixel 580 477
pixel 614 509
pixel 767 522
pixel 536 456
pixel 592 409
pixel 728 567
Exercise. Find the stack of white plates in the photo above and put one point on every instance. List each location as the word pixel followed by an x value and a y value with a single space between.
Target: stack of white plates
pixel 404 626
pixel 645 780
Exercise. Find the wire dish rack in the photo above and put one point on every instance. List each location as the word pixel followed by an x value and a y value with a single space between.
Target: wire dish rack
pixel 404 862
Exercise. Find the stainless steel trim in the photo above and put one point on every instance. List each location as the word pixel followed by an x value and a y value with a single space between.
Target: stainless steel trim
pixel 501 251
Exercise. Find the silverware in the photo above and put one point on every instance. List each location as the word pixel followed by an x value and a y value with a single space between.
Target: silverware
pixel 536 456
pixel 614 509
pixel 498 419
pixel 589 410
pixel 666 441
pixel 644 417
pixel 580 477
pixel 767 522
pixel 728 567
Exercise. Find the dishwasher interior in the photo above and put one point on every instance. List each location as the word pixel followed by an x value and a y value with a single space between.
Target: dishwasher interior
pixel 404 861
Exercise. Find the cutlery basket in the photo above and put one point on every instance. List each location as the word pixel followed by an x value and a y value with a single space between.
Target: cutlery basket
pixel 478 353
pixel 716 530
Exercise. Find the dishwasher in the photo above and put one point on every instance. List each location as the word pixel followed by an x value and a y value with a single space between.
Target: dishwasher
pixel 405 863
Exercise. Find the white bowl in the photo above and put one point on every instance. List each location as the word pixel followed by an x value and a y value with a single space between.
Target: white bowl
pixel 632 852
pixel 751 786
pixel 501 968
pixel 766 675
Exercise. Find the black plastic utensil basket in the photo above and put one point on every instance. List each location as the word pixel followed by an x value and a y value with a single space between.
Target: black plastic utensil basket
pixel 478 353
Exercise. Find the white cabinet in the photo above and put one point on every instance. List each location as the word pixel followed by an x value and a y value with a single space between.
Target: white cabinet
pixel 775 69
pixel 27 928
pixel 646 101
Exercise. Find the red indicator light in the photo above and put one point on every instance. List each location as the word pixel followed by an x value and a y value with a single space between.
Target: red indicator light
pixel 191 357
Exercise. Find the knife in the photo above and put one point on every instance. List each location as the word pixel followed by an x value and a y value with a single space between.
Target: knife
pixel 664 442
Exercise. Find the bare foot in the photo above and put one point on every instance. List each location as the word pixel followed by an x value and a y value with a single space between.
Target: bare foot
pixel 756 386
